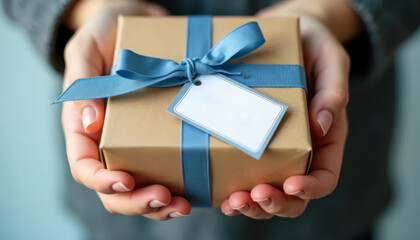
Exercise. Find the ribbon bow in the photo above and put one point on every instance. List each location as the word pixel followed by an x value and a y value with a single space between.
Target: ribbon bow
pixel 149 71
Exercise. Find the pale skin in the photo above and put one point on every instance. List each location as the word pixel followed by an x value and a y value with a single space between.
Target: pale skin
pixel 324 26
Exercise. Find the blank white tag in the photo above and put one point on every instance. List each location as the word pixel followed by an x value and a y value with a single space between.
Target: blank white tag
pixel 229 111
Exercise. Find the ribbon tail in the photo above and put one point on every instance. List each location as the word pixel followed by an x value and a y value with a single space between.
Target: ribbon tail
pixel 101 87
pixel 137 67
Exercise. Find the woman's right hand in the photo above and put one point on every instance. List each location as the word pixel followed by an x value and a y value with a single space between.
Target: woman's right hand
pixel 89 53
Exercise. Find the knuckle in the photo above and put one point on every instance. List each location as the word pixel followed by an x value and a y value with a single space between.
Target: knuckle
pixel 79 47
pixel 346 130
pixel 340 96
pixel 161 192
pixel 160 218
pixel 74 175
pixel 298 213
pixel 345 58
pixel 263 217
pixel 98 185
pixel 70 49
pixel 108 207
pixel 279 209
pixel 141 209
pixel 344 99
pixel 64 118
pixel 342 57
pixel 267 217
pixel 159 188
pixel 333 187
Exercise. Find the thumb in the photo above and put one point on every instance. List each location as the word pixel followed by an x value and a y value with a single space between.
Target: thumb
pixel 92 113
pixel 83 64
pixel 331 94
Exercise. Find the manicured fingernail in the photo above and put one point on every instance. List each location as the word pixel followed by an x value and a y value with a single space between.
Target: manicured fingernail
pixel 88 117
pixel 176 215
pixel 263 202
pixel 120 187
pixel 157 204
pixel 324 119
pixel 242 208
pixel 297 193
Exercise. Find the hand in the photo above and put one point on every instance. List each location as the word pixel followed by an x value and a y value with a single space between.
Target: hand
pixel 327 67
pixel 89 53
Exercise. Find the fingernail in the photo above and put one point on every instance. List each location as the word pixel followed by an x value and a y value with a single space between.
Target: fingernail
pixel 120 187
pixel 88 117
pixel 263 202
pixel 297 193
pixel 242 208
pixel 176 215
pixel 231 213
pixel 324 119
pixel 157 204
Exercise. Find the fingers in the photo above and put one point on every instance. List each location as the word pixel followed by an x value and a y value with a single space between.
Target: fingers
pixel 243 203
pixel 318 184
pixel 298 189
pixel 91 173
pixel 227 209
pixel 179 207
pixel 263 202
pixel 153 201
pixel 275 202
pixel 140 201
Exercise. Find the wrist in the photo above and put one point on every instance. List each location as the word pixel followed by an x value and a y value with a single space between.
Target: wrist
pixel 81 10
pixel 337 15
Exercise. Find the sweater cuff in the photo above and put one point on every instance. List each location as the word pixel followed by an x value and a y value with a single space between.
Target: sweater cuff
pixel 387 24
pixel 42 19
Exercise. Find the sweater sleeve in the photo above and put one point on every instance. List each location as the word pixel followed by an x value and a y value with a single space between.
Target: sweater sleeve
pixel 42 20
pixel 387 24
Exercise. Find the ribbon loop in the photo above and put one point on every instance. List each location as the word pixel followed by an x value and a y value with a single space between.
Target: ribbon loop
pixel 240 41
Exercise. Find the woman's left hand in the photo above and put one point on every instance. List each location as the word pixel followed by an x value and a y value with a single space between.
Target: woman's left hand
pixel 327 66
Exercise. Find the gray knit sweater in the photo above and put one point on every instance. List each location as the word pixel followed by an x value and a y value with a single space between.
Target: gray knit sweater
pixel 388 22
pixel 363 191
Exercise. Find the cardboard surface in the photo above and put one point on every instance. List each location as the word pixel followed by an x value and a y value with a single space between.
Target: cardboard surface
pixel 142 138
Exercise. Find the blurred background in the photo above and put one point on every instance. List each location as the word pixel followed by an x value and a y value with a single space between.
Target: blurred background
pixel 32 160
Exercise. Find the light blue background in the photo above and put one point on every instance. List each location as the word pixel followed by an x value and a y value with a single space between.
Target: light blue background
pixel 32 165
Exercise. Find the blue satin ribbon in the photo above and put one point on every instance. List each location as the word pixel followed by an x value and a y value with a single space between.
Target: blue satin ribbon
pixel 133 72
pixel 156 72
pixel 194 142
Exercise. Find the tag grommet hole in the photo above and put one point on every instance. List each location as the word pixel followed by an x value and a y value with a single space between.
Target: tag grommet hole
pixel 197 83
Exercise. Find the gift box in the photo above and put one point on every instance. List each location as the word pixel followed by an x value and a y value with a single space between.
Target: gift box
pixel 142 138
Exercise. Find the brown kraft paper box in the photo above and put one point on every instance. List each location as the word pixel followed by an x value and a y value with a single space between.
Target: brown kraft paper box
pixel 143 139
